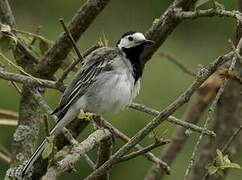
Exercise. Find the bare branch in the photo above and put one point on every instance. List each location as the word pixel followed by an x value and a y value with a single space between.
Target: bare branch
pixel 14 84
pixel 148 155
pixel 81 21
pixel 172 119
pixel 104 150
pixel 118 133
pixel 8 122
pixel 76 152
pixel 210 114
pixel 6 15
pixel 104 153
pixel 5 158
pixel 225 147
pixel 178 64
pixel 28 80
pixel 162 27
pixel 8 113
pixel 204 95
pixel 231 139
pixel 178 13
pixel 229 107
pixel 184 98
pixel 80 57
pixel 157 143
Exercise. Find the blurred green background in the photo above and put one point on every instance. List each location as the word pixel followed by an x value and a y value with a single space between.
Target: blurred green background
pixel 192 43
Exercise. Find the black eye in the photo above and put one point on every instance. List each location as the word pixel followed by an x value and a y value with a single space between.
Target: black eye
pixel 130 38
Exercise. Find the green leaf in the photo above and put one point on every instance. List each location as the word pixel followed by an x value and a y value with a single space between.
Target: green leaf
pixel 231 165
pixel 219 158
pixel 221 163
pixel 49 147
pixel 82 115
pixel 200 3
pixel 212 169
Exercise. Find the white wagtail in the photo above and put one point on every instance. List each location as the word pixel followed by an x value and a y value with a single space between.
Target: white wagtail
pixel 107 82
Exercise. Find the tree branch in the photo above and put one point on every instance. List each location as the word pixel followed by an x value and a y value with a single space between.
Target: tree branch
pixel 194 111
pixel 182 15
pixel 157 143
pixel 118 133
pixel 76 152
pixel 81 21
pixel 28 80
pixel 172 119
pixel 6 15
pixel 163 27
pixel 184 98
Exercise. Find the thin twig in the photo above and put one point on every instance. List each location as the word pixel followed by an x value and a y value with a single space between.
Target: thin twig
pixel 16 87
pixel 182 15
pixel 105 148
pixel 19 68
pixel 4 150
pixel 5 158
pixel 71 39
pixel 72 66
pixel 65 131
pixel 34 37
pixel 77 151
pixel 8 122
pixel 172 119
pixel 55 56
pixel 8 113
pixel 80 57
pixel 118 133
pixel 89 161
pixel 209 117
pixel 156 144
pixel 150 156
pixel 178 64
pixel 26 51
pixel 225 147
pixel 230 140
pixel 28 80
pixel 184 98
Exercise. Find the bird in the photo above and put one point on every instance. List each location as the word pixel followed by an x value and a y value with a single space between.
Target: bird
pixel 107 82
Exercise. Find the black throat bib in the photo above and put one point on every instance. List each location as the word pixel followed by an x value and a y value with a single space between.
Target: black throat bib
pixel 133 54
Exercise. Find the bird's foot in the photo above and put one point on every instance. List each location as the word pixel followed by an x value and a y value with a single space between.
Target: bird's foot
pixel 99 123
pixel 87 115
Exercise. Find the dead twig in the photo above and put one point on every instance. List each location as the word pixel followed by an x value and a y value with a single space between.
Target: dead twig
pixel 178 64
pixel 8 122
pixel 157 143
pixel 8 113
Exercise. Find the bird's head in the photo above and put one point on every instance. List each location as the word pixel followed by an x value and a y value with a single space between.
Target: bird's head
pixel 132 39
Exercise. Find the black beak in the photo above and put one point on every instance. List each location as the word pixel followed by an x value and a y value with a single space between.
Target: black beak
pixel 147 41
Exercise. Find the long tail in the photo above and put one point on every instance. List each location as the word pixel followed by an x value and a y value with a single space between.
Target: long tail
pixel 54 132
pixel 34 157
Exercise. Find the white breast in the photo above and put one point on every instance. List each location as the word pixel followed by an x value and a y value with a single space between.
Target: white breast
pixel 113 94
pixel 111 91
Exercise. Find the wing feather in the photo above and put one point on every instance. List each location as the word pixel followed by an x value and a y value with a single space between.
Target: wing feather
pixel 98 61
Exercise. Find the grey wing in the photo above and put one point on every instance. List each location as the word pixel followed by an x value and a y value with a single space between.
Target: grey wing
pixel 98 61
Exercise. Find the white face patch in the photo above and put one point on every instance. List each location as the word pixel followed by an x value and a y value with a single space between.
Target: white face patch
pixel 131 40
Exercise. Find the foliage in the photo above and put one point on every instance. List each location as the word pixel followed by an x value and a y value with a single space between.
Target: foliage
pixel 221 163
